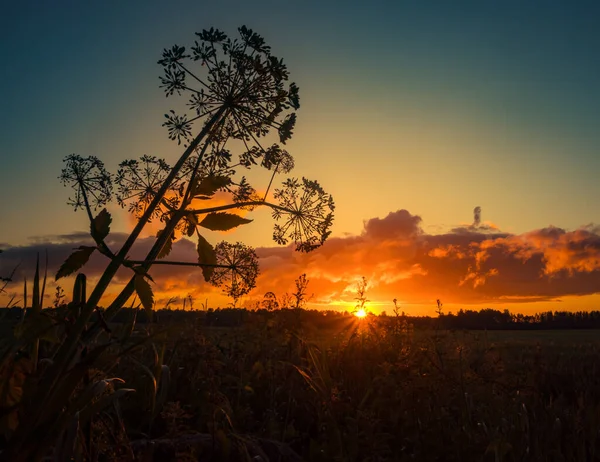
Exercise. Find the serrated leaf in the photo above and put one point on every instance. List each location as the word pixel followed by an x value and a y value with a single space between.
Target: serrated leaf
pixel 75 261
pixel 206 255
pixel 100 226
pixel 167 247
pixel 222 221
pixel 211 184
pixel 192 223
pixel 144 292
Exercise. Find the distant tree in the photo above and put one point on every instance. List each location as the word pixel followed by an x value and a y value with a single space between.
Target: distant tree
pixel 269 302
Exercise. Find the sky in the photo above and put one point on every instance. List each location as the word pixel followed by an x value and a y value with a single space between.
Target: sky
pixel 412 114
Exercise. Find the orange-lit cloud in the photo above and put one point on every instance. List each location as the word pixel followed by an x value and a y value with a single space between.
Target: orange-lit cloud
pixel 471 264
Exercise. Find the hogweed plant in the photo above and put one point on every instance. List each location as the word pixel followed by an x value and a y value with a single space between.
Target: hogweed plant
pixel 240 112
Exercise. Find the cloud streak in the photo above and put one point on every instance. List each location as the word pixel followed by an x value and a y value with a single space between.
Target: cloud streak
pixel 472 264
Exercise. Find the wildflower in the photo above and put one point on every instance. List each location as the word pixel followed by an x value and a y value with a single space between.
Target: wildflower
pixel 238 271
pixel 89 178
pixel 140 180
pixel 308 214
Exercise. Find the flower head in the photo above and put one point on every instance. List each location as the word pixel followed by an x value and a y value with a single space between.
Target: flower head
pixel 138 183
pixel 237 76
pixel 307 214
pixel 239 271
pixel 90 180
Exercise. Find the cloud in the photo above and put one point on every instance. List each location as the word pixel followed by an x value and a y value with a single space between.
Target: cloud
pixel 171 282
pixel 470 264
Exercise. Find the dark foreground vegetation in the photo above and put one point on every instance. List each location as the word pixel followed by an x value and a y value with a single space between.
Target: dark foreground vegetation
pixel 291 385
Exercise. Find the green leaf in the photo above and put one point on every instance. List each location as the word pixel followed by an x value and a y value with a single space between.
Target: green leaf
pixel 210 185
pixel 167 246
pixel 144 292
pixel 100 226
pixel 206 255
pixel 75 261
pixel 222 221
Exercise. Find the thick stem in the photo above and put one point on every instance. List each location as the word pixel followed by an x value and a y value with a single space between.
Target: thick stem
pixel 152 254
pixel 68 347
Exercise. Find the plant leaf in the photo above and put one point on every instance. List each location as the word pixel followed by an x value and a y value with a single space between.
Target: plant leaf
pixel 75 261
pixel 222 221
pixel 144 292
pixel 100 226
pixel 207 255
pixel 210 185
pixel 168 245
pixel 36 307
pixel 192 223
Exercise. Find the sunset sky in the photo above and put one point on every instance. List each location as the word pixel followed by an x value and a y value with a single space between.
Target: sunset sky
pixel 411 116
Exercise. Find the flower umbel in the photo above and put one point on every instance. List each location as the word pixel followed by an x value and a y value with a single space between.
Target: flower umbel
pixel 308 215
pixel 238 277
pixel 90 180
pixel 240 75
pixel 140 180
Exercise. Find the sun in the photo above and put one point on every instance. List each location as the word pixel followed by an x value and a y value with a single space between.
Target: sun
pixel 360 313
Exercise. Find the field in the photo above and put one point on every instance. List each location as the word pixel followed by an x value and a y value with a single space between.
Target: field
pixel 373 392
pixel 276 387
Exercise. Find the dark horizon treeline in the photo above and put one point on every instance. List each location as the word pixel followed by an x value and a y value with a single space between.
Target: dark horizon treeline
pixel 487 318
pixel 497 320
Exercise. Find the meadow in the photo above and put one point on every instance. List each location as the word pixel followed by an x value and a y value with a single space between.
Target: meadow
pixel 275 387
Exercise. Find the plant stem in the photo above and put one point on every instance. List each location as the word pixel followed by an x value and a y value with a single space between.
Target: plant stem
pixel 67 349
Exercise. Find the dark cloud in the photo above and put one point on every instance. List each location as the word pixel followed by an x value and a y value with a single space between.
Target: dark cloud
pixel 399 224
pixel 465 265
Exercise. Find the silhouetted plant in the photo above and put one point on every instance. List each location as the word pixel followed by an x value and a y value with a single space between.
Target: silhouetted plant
pixel 4 280
pixel 90 180
pixel 237 269
pixel 308 214
pixel 59 296
pixel 237 95
pixel 138 183
pixel 361 295
pixel 300 296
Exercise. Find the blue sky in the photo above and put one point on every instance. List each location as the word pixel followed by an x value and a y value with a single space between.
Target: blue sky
pixel 430 106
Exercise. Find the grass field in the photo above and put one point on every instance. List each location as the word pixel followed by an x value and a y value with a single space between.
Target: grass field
pixel 351 390
pixel 374 394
